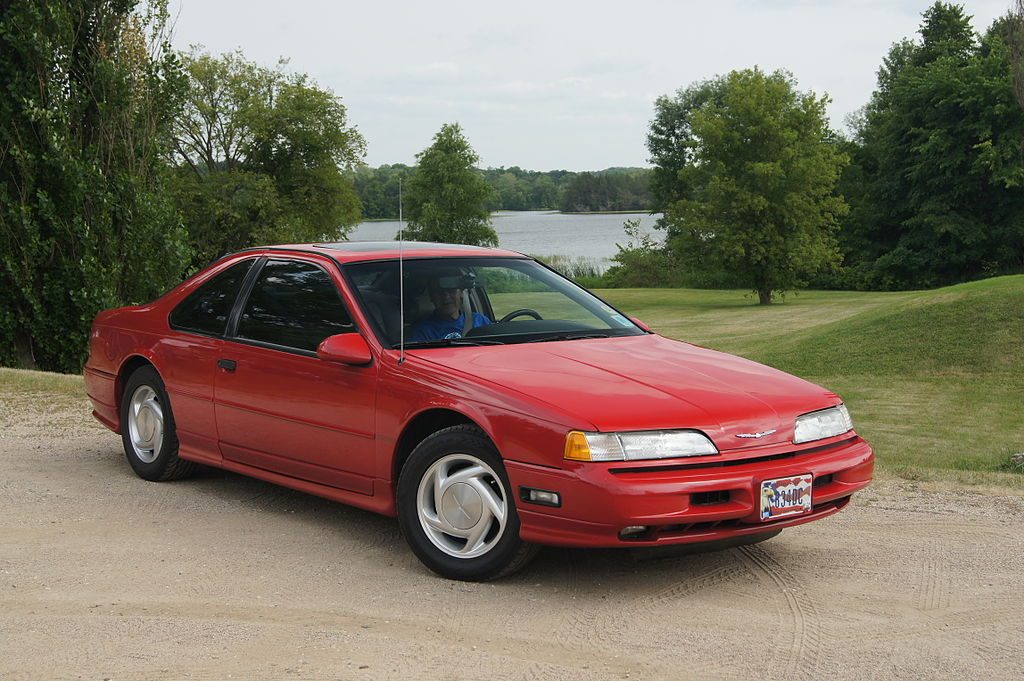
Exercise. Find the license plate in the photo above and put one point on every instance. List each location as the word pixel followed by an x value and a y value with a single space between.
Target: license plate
pixel 784 497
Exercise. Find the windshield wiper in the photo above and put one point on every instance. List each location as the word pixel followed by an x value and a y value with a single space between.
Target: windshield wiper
pixel 569 336
pixel 447 343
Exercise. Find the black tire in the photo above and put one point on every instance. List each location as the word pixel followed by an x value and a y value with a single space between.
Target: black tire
pixel 165 464
pixel 507 554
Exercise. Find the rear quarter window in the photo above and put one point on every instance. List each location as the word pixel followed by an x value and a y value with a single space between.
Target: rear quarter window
pixel 206 309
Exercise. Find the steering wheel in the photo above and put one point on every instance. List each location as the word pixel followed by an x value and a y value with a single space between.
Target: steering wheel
pixel 521 312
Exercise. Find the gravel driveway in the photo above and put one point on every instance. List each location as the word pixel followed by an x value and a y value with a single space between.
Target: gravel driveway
pixel 105 576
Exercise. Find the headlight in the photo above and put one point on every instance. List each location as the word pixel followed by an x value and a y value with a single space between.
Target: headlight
pixel 821 424
pixel 631 446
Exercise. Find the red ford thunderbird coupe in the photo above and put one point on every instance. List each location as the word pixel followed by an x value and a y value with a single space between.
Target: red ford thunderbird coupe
pixel 488 402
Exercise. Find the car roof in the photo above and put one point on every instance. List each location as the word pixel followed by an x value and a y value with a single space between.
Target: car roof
pixel 355 251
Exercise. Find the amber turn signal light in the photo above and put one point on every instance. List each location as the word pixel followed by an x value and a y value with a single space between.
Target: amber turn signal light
pixel 576 446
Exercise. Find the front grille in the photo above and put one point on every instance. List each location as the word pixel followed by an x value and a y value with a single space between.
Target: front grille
pixel 684 529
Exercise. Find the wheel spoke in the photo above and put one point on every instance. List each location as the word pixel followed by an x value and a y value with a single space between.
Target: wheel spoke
pixel 438 484
pixel 464 475
pixel 476 535
pixel 155 407
pixel 435 522
pixel 492 502
pixel 158 438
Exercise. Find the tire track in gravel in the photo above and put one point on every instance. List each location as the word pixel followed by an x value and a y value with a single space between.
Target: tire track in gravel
pixel 581 620
pixel 804 650
pixel 591 592
pixel 674 593
pixel 933 584
pixel 594 610
pixel 542 671
pixel 602 606
pixel 983 628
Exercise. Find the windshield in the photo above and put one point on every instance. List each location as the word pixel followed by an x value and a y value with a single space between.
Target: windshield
pixel 480 301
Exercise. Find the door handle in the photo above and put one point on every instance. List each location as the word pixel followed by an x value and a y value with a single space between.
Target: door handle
pixel 226 364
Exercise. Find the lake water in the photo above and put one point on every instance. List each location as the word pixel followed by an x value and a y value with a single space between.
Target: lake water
pixel 592 236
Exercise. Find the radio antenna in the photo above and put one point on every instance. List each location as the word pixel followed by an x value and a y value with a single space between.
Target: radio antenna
pixel 401 280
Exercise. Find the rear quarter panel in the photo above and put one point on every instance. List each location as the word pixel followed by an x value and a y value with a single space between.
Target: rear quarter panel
pixel 124 337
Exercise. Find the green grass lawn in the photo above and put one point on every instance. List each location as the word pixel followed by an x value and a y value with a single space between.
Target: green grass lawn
pixel 934 379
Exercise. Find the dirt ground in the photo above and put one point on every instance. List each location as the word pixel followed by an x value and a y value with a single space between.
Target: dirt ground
pixel 105 576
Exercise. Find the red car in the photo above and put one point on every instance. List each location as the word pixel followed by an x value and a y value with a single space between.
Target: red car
pixel 488 402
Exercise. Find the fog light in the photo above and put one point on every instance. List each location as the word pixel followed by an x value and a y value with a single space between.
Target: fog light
pixel 632 532
pixel 540 496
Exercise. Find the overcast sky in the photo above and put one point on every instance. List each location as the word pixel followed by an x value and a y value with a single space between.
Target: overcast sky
pixel 549 85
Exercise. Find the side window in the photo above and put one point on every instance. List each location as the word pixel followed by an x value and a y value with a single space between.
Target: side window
pixel 207 308
pixel 293 304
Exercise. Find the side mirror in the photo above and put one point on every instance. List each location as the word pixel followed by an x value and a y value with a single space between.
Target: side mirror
pixel 345 348
pixel 641 324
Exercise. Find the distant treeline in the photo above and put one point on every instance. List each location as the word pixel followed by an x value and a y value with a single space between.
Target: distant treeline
pixel 513 188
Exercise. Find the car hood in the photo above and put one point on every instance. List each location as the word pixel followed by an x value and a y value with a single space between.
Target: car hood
pixel 647 382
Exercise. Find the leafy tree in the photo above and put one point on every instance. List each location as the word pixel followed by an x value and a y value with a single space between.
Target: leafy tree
pixel 670 139
pixel 756 168
pixel 935 184
pixel 89 92
pixel 1015 41
pixel 447 198
pixel 263 156
pixel 642 262
pixel 543 191
pixel 609 190
pixel 518 189
pixel 377 189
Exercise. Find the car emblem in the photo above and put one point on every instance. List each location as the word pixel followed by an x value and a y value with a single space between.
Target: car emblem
pixel 757 435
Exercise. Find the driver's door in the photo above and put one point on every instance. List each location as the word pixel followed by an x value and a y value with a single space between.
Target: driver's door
pixel 278 406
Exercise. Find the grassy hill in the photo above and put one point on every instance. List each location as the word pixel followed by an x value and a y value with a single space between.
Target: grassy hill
pixel 934 379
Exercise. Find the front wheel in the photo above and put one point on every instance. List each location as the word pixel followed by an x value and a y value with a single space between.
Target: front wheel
pixel 456 509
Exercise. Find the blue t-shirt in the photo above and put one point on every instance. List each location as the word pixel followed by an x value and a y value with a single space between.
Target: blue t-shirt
pixel 433 328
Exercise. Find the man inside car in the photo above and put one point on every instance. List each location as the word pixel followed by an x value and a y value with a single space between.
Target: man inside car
pixel 448 293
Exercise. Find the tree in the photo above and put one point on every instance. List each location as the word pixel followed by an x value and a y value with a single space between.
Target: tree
pixel 447 197
pixel 935 184
pixel 378 189
pixel 670 139
pixel 755 168
pixel 90 90
pixel 1015 42
pixel 264 156
pixel 641 263
pixel 614 189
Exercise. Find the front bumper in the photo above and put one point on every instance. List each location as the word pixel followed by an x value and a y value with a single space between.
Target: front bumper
pixel 683 503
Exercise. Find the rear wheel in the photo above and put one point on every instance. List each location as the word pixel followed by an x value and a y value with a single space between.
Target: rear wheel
pixel 147 429
pixel 456 509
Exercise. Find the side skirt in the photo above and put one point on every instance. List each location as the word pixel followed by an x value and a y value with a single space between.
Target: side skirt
pixel 381 501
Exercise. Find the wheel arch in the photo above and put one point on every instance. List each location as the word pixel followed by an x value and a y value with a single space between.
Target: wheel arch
pixel 423 425
pixel 130 365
